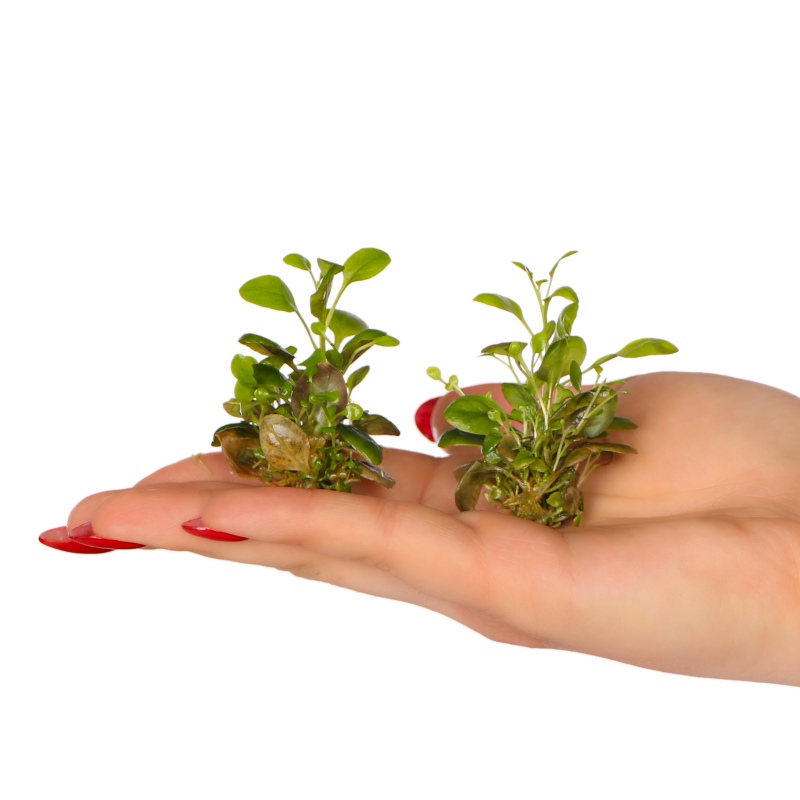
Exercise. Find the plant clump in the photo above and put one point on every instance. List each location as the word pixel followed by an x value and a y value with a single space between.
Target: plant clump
pixel 299 425
pixel 536 456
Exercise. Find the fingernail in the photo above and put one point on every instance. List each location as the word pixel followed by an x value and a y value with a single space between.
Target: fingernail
pixel 58 539
pixel 423 418
pixel 196 528
pixel 84 534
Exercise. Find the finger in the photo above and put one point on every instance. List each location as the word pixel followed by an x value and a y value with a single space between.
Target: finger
pixel 201 467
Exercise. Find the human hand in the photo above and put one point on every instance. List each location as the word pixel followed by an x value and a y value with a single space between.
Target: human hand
pixel 687 559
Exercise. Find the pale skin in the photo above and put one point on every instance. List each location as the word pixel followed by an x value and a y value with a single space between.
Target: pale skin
pixel 687 559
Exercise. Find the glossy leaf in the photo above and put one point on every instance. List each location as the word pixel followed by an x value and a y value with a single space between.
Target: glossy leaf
pixel 364 264
pixel 284 444
pixel 266 347
pixel 560 354
pixel 234 408
pixel 356 377
pixel 269 291
pixel 647 347
pixel 599 419
pixel 375 425
pixel 472 482
pixel 242 369
pixel 518 395
pixel 501 302
pixel 296 260
pixel 242 428
pixel 361 342
pixel 241 445
pixel 457 438
pixel 362 443
pixel 373 473
pixel 319 300
pixel 344 324
pixel 621 424
pixel 268 376
pixel 470 413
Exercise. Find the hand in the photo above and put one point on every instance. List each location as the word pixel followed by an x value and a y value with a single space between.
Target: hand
pixel 687 559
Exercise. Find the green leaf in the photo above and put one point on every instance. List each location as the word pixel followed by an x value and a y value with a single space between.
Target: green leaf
pixel 362 443
pixel 566 255
pixel 647 347
pixel 501 302
pixel 525 459
pixel 242 369
pixel 329 268
pixel 266 347
pixel 344 324
pixel 599 419
pixel 501 349
pixel 559 356
pixel 361 342
pixel 575 375
pixel 564 291
pixel 234 408
pixel 540 341
pixel 519 396
pixel 472 482
pixel 602 360
pixel 356 377
pixel 296 260
pixel 315 358
pixel 319 300
pixel 243 393
pixel 317 327
pixel 242 428
pixel 373 473
pixel 621 424
pixel 566 318
pixel 522 267
pixel 269 291
pixel 364 264
pixel 470 413
pixel 456 438
pixel 268 376
pixel 610 447
pixel 375 425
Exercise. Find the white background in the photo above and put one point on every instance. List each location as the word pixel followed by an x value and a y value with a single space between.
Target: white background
pixel 155 155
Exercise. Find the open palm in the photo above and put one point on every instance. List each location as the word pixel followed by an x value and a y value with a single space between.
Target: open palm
pixel 687 560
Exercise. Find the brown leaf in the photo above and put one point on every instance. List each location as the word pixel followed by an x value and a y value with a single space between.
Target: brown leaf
pixel 285 444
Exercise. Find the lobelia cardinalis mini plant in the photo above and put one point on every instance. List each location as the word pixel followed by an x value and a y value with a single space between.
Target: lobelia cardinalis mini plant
pixel 537 456
pixel 299 425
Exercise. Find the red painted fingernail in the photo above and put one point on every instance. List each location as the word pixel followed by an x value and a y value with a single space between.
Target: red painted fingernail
pixel 84 534
pixel 196 528
pixel 423 418
pixel 58 539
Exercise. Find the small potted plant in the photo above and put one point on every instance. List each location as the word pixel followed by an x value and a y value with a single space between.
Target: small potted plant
pixel 536 456
pixel 298 423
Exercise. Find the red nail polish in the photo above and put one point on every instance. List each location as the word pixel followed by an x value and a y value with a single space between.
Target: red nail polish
pixel 196 527
pixel 84 535
pixel 423 418
pixel 58 539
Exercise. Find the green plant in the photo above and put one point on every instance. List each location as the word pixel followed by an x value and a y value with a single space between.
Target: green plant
pixel 536 456
pixel 299 424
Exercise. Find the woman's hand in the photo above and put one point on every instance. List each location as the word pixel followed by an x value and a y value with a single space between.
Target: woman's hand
pixel 687 560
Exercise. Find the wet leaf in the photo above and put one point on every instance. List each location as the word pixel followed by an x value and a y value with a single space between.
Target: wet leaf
pixel 519 396
pixel 501 302
pixel 269 291
pixel 296 260
pixel 470 414
pixel 647 347
pixel 362 443
pixel 376 425
pixel 471 484
pixel 457 438
pixel 365 264
pixel 285 444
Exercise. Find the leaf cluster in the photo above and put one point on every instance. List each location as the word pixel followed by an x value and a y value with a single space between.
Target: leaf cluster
pixel 536 456
pixel 299 425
